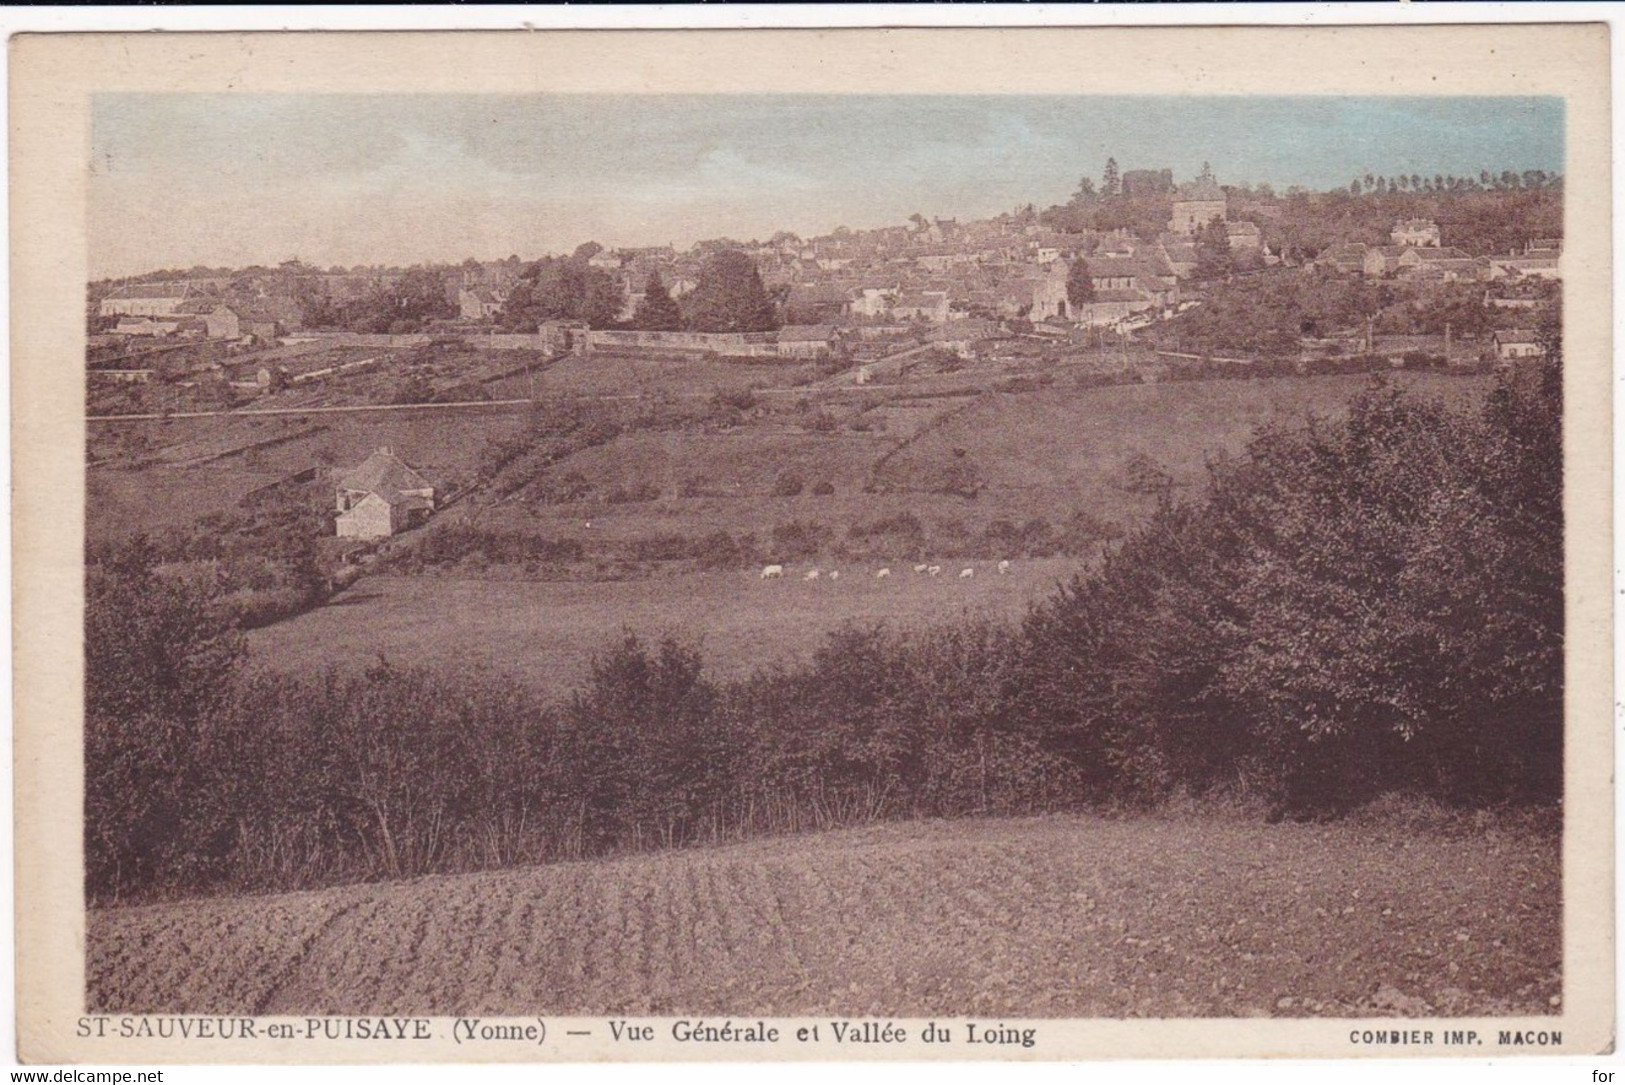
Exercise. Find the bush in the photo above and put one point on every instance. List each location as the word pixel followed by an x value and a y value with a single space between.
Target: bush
pixel 823 488
pixel 160 654
pixel 1369 605
pixel 823 421
pixel 797 539
pixel 720 550
pixel 788 484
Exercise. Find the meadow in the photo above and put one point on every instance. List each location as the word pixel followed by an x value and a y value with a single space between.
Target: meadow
pixel 547 632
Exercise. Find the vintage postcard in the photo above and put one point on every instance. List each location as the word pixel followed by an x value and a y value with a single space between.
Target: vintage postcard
pixel 801 545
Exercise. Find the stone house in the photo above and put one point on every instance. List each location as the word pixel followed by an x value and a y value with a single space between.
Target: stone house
pixel 382 496
pixel 479 303
pixel 1195 205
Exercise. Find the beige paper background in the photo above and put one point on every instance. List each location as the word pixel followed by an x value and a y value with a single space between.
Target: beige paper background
pixel 53 77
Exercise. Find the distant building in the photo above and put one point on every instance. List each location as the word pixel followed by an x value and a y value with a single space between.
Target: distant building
pixel 381 497
pixel 239 320
pixel 479 303
pixel 1196 205
pixel 1244 236
pixel 961 336
pixel 1538 265
pixel 146 299
pixel 806 340
pixel 1348 259
pixel 930 305
pixel 1180 252
pixel 871 300
pixel 1513 343
pixel 1421 233
pixel 1381 260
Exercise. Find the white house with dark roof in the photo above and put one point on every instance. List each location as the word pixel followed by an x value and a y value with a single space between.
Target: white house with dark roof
pixel 382 496
pixel 1511 343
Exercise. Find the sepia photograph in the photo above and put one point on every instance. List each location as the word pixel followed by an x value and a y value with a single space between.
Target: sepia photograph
pixel 781 571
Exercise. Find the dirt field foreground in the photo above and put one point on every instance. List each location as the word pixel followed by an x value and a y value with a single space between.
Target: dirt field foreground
pixel 1048 917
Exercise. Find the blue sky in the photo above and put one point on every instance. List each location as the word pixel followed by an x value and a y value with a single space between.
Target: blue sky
pixel 237 179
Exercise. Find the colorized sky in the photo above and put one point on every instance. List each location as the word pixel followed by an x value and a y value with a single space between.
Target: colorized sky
pixel 184 179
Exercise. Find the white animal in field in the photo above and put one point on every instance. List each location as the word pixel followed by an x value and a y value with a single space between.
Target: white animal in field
pixel 811 574
pixel 920 568
pixel 935 570
pixel 1004 567
pixel 966 574
pixel 835 574
pixel 772 572
pixel 883 574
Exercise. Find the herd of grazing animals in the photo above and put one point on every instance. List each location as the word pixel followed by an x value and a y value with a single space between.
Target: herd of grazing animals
pixel 776 572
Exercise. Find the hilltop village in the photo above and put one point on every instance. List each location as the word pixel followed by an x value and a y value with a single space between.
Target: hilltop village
pixel 1453 270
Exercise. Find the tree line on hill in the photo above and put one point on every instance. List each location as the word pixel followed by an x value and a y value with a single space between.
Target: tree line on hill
pixel 1354 607
pixel 1484 215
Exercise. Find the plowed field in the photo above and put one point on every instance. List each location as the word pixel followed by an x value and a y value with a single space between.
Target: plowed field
pixel 1062 916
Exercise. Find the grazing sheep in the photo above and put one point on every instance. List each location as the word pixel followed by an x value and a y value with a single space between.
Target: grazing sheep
pixel 935 570
pixel 811 574
pixel 920 568
pixel 772 572
pixel 835 574
pixel 883 574
pixel 966 574
pixel 1004 567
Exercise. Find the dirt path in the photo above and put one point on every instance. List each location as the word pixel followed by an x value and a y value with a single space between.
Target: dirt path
pixel 1073 916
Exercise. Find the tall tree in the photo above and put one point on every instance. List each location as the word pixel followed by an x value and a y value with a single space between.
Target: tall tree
pixel 562 289
pixel 729 297
pixel 657 312
pixel 1214 259
pixel 1111 182
pixel 1080 286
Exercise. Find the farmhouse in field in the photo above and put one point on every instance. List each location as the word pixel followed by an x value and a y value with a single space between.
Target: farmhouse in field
pixel 381 497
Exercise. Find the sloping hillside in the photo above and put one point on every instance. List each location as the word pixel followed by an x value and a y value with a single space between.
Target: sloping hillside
pixel 1062 916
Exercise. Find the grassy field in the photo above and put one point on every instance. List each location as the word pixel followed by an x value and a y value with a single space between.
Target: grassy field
pixel 1050 917
pixel 547 632
pixel 1039 453
pixel 1066 447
